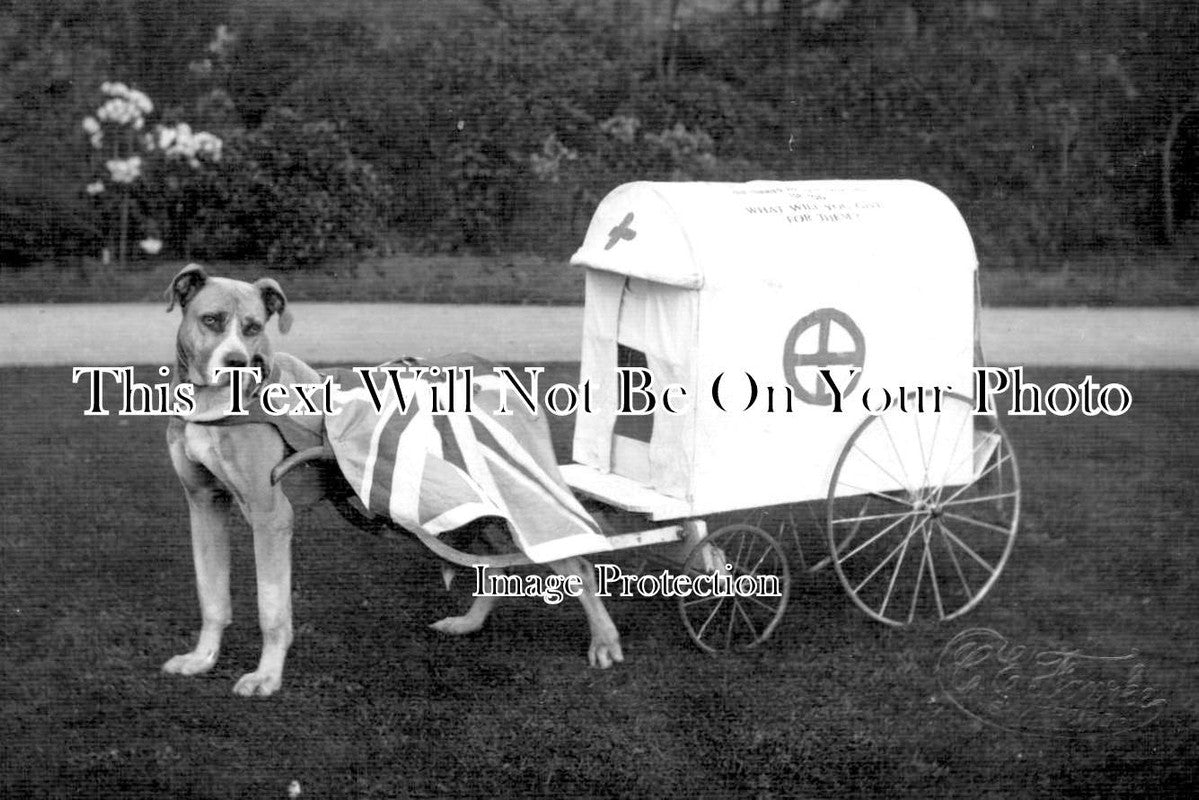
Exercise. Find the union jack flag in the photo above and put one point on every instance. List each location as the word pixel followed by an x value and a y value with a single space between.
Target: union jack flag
pixel 435 472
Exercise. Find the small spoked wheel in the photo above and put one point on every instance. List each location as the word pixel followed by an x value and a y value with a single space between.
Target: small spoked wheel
pixel 923 510
pixel 739 588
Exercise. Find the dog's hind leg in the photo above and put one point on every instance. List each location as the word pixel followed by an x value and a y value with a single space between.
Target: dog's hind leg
pixel 494 540
pixel 605 640
pixel 475 616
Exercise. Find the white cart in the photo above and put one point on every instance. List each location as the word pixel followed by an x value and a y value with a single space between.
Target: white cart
pixel 743 297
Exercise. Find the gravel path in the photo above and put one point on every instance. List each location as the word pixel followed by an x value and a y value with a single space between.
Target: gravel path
pixel 139 333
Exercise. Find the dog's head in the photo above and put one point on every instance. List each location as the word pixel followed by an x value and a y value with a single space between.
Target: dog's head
pixel 224 323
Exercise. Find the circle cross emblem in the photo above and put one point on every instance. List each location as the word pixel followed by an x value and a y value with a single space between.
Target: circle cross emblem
pixel 793 363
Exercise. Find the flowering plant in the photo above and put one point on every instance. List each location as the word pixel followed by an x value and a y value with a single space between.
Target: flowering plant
pixel 118 136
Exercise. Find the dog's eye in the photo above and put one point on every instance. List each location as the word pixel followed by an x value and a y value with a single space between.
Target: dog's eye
pixel 213 321
pixel 252 329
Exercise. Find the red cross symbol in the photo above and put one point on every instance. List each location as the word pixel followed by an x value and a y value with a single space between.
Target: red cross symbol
pixel 825 318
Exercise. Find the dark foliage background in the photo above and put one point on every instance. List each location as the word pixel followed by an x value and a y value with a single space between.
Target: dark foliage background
pixel 1058 126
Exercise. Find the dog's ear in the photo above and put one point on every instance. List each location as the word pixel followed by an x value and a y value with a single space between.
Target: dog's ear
pixel 185 285
pixel 275 302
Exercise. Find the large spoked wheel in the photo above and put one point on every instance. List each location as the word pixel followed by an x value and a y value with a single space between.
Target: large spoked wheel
pixel 740 584
pixel 923 509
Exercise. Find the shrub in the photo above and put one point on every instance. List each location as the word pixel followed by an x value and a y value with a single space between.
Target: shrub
pixel 289 192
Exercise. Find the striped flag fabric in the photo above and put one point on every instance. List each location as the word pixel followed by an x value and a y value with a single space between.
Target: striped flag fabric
pixel 434 470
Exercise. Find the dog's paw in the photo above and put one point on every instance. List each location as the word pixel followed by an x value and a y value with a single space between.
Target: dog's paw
pixel 457 626
pixel 604 652
pixel 193 663
pixel 260 683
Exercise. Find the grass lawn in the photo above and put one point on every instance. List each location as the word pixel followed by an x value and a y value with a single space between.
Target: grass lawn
pixel 1148 277
pixel 97 590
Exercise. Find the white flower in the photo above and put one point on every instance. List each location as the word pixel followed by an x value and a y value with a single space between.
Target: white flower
pixel 97 139
pixel 114 89
pixel 208 144
pixel 91 125
pixel 118 110
pixel 95 187
pixel 109 110
pixel 141 100
pixel 180 142
pixel 119 91
pixel 124 106
pixel 124 170
pixel 151 246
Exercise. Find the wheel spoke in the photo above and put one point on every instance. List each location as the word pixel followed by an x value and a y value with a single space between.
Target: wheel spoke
pixel 767 606
pixel 954 558
pixel 879 567
pixel 745 617
pixel 957 440
pixel 884 470
pixel 740 549
pixel 932 447
pixel 971 521
pixel 700 634
pixel 923 457
pixel 728 636
pixel 899 458
pixel 970 454
pixel 998 463
pixel 871 517
pixel 873 538
pixel 757 564
pixel 879 495
pixel 983 499
pixel 907 540
pixel 990 570
pixel 854 530
pixel 916 591
pixel 696 600
pixel 932 576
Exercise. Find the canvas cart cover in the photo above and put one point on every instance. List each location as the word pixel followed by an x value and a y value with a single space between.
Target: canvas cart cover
pixel 765 283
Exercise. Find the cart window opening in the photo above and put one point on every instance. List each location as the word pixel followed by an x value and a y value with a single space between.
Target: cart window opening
pixel 637 427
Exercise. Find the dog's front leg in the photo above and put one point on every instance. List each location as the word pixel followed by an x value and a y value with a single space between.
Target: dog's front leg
pixel 209 509
pixel 272 559
pixel 605 641
pixel 246 466
pixel 208 505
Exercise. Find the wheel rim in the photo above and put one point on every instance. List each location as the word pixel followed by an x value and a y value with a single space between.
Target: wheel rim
pixel 724 623
pixel 933 541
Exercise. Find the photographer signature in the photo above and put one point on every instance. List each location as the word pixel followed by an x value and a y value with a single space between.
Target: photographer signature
pixel 1047 692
